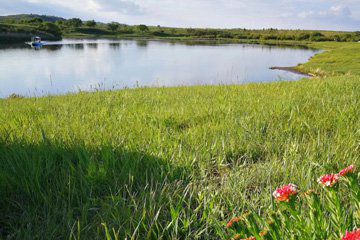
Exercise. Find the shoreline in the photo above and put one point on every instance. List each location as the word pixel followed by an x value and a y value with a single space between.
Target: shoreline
pixel 292 70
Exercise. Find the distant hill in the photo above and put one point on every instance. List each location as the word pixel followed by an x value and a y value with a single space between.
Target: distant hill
pixel 18 17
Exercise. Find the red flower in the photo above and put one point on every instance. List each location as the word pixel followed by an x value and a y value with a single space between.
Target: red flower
pixel 355 235
pixel 346 171
pixel 285 193
pixel 232 222
pixel 328 180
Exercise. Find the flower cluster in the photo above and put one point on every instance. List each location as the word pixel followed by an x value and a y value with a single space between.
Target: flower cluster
pixel 346 171
pixel 355 235
pixel 288 194
pixel 328 180
pixel 285 193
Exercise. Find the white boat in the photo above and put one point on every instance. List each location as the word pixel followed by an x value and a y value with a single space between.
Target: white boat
pixel 36 42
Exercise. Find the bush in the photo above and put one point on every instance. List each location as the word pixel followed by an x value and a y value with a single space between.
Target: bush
pixel 143 28
pixel 113 26
pixel 50 28
pixel 91 23
pixel 74 22
pixel 35 21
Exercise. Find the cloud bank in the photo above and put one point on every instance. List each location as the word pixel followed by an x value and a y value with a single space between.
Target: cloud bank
pixel 289 14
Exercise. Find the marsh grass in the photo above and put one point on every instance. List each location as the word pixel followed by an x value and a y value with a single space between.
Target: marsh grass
pixel 337 59
pixel 167 163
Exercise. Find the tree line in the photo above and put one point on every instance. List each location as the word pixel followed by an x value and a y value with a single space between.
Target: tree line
pixel 76 25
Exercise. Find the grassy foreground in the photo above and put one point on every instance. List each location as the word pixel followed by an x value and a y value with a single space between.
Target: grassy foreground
pixel 171 163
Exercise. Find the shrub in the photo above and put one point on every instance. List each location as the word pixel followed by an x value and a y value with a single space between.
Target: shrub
pixel 50 28
pixel 74 22
pixel 91 23
pixel 143 28
pixel 113 26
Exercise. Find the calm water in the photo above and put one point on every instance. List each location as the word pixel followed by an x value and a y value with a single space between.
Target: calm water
pixel 73 65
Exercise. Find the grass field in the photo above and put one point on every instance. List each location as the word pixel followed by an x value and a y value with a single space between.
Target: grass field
pixel 172 163
pixel 338 59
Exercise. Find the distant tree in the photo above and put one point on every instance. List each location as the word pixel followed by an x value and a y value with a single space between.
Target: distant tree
pixel 316 36
pixel 59 23
pixel 357 36
pixel 126 29
pixel 349 37
pixel 303 36
pixel 35 21
pixel 90 23
pixel 337 38
pixel 143 28
pixel 113 26
pixel 10 21
pixel 74 22
pixel 190 31
pixel 51 28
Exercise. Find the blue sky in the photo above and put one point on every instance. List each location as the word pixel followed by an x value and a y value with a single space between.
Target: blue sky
pixel 294 14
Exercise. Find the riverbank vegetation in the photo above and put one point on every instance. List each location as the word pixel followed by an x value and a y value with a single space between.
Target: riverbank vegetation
pixel 75 27
pixel 337 59
pixel 21 32
pixel 173 163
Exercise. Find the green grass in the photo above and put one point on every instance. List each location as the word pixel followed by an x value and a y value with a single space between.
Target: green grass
pixel 169 163
pixel 338 59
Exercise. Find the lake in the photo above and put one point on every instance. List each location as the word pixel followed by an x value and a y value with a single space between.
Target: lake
pixel 87 65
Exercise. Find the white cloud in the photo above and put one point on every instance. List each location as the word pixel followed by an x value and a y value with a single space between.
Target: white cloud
pixel 308 14
pixel 334 11
pixel 340 11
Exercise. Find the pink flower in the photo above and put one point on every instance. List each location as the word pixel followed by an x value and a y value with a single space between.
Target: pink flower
pixel 355 235
pixel 346 171
pixel 285 193
pixel 328 180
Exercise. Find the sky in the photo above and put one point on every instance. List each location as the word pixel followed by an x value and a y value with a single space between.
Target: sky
pixel 252 14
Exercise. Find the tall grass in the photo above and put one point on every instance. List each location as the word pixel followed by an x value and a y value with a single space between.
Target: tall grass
pixel 338 59
pixel 167 163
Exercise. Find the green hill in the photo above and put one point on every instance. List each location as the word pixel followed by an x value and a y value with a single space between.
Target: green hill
pixel 76 27
pixel 18 17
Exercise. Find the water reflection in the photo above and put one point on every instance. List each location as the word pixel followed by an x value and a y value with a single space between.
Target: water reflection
pixel 114 46
pixel 113 64
pixel 142 43
pixel 92 45
pixel 77 46
pixel 53 47
pixel 14 46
